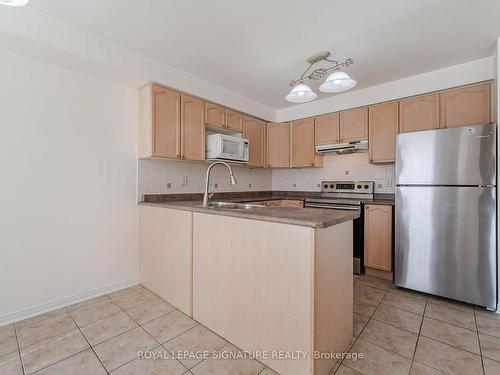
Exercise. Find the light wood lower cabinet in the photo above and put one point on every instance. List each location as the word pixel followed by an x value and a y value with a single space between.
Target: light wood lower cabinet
pixel 269 286
pixel 378 236
pixel 466 106
pixel 165 243
pixel 255 131
pixel 383 127
pixel 278 145
pixel 302 143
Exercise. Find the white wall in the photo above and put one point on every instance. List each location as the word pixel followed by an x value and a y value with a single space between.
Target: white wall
pixel 31 32
pixel 68 219
pixel 336 167
pixel 155 175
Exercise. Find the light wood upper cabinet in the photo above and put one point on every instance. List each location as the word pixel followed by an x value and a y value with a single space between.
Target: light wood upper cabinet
pixel 382 130
pixel 326 129
pixel 354 125
pixel 192 128
pixel 378 236
pixel 278 144
pixel 215 115
pixel 466 106
pixel 159 122
pixel 234 120
pixel 302 143
pixel 255 131
pixel 419 113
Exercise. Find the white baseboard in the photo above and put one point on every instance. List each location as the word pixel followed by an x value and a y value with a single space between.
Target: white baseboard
pixel 46 307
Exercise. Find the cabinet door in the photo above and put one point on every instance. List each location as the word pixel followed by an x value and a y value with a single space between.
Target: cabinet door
pixel 303 143
pixel 192 128
pixel 166 122
pixel 378 236
pixel 326 129
pixel 382 129
pixel 278 144
pixel 234 120
pixel 354 125
pixel 254 130
pixel 215 115
pixel 466 106
pixel 165 254
pixel 419 113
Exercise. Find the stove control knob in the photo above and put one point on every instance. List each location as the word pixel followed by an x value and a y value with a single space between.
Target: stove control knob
pixel 325 186
pixel 332 186
pixel 359 186
pixel 366 187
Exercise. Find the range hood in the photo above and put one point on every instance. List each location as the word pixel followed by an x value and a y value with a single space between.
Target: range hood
pixel 343 148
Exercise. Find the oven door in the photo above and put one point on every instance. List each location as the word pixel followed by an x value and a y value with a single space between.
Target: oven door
pixel 358 230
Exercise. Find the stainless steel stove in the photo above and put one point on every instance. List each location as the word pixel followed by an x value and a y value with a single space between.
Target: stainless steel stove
pixel 347 195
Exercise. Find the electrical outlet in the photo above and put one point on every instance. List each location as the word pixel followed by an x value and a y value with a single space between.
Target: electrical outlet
pixel 294 185
pixel 169 185
pixel 249 185
pixel 388 183
pixel 183 180
pixel 379 186
pixel 318 185
pixel 346 172
pixel 216 185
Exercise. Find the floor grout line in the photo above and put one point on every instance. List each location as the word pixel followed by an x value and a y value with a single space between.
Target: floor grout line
pixel 479 342
pixel 358 336
pixel 19 350
pixel 88 342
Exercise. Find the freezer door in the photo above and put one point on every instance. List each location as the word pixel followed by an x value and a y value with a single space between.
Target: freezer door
pixel 457 156
pixel 445 242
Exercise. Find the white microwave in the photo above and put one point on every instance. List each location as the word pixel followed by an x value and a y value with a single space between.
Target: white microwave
pixel 226 147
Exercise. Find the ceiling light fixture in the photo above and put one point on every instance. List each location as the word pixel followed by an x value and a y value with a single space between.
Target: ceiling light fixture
pixel 14 3
pixel 336 82
pixel 301 94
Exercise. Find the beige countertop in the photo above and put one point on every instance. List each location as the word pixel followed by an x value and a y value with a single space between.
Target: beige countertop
pixel 306 217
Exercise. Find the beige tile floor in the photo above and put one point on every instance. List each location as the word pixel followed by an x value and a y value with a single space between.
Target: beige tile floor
pixel 398 331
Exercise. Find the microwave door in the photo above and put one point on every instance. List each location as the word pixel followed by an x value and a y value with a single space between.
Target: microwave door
pixel 231 149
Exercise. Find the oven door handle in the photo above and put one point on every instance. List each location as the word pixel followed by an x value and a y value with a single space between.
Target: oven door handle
pixel 315 205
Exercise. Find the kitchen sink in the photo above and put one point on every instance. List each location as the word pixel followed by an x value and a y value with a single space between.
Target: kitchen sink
pixel 234 205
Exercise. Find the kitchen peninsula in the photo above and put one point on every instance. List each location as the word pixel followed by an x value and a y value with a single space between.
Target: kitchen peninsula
pixel 270 279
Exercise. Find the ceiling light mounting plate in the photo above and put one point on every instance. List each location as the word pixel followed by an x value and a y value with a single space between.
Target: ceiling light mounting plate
pixel 318 57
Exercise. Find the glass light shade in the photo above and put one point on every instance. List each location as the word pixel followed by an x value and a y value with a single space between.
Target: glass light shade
pixel 336 82
pixel 301 94
pixel 14 3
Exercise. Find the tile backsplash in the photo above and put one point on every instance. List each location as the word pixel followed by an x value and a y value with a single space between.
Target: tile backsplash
pixel 158 176
pixel 336 167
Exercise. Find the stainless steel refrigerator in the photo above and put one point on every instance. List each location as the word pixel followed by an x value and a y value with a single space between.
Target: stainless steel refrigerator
pixel 446 213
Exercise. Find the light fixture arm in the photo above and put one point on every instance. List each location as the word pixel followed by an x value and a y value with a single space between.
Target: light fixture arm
pixel 320 72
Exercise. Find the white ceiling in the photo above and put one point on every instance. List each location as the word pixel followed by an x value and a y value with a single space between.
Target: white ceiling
pixel 255 48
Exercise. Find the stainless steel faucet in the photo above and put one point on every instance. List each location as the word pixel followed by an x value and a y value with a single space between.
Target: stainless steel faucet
pixel 232 179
